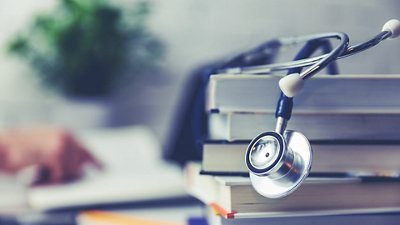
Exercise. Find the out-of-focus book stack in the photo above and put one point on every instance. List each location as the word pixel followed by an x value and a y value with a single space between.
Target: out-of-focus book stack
pixel 352 122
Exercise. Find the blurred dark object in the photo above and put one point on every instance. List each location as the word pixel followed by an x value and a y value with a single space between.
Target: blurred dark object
pixel 187 137
pixel 32 218
pixel 86 47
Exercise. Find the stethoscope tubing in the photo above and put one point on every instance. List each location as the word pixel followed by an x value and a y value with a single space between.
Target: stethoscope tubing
pixel 330 57
pixel 348 51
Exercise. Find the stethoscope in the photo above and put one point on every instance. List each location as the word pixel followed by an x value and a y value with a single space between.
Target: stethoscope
pixel 280 160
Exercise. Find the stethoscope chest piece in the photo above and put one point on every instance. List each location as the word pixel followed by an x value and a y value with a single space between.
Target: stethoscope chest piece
pixel 278 164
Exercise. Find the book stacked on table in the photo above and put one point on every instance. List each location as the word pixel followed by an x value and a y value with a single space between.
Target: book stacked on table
pixel 330 200
pixel 352 122
pixel 343 107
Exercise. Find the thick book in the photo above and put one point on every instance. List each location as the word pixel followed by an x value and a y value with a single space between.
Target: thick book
pixel 315 126
pixel 236 197
pixel 371 218
pixel 323 94
pixel 328 157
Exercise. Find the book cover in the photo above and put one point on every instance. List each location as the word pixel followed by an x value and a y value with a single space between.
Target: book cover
pixel 315 126
pixel 387 216
pixel 323 195
pixel 324 93
pixel 366 157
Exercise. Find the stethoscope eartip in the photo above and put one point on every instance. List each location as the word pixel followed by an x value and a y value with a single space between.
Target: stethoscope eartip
pixel 393 26
pixel 291 84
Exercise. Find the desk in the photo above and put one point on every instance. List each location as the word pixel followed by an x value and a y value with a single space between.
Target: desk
pixel 166 211
pixel 133 165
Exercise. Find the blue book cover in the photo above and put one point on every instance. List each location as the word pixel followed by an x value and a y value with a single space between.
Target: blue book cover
pixel 197 221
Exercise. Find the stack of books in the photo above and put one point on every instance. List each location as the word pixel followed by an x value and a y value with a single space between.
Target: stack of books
pixel 352 122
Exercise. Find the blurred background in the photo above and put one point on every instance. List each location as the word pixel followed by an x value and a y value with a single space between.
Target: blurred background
pixel 91 64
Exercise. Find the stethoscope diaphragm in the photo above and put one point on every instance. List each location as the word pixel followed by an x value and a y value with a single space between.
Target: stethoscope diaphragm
pixel 278 164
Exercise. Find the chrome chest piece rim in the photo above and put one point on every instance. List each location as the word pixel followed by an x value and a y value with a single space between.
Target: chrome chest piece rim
pixel 278 164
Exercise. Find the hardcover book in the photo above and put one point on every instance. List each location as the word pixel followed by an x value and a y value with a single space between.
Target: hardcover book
pixel 323 93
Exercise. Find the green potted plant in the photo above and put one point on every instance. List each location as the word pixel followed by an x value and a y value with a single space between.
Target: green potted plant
pixel 84 48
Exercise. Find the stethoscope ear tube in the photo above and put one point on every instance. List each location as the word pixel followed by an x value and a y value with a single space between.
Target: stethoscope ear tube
pixel 390 30
pixel 279 161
